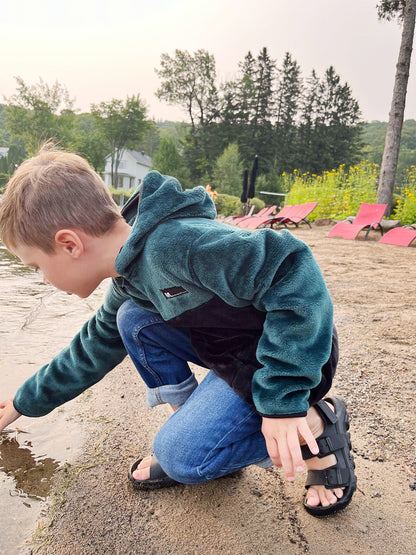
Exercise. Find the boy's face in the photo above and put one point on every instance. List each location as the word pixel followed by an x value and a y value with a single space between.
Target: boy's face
pixel 60 270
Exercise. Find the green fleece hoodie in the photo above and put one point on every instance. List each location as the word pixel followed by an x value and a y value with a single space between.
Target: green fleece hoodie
pixel 256 305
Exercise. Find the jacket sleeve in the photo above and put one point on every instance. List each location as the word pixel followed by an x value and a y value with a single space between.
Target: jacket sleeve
pixel 93 352
pixel 277 274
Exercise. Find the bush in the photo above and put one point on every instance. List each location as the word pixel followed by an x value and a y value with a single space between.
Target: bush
pixel 406 203
pixel 4 178
pixel 120 196
pixel 339 192
pixel 228 205
pixel 259 204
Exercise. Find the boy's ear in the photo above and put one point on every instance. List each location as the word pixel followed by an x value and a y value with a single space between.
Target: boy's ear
pixel 70 242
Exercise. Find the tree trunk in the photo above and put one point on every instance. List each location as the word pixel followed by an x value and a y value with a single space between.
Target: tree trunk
pixel 113 184
pixel 394 128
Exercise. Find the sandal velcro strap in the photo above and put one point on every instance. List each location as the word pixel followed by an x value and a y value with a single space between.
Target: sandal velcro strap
pixel 336 440
pixel 333 477
pixel 325 412
pixel 327 445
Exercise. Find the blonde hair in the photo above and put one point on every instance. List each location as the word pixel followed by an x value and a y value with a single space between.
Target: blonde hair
pixel 51 191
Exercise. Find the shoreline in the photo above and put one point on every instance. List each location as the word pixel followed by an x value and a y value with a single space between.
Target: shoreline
pixel 94 509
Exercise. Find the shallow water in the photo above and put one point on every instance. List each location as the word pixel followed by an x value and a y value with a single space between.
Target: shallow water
pixel 36 322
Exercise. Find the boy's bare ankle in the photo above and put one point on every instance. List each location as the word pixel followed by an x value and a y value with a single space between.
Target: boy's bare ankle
pixel 315 422
pixel 316 425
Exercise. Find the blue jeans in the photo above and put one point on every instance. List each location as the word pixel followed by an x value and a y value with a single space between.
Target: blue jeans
pixel 215 432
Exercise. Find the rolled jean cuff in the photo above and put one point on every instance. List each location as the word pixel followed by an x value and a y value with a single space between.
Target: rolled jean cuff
pixel 175 394
pixel 265 463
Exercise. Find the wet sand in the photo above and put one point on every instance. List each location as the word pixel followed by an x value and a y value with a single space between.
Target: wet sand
pixel 95 511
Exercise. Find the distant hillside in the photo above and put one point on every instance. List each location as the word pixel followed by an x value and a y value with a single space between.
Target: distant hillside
pixel 174 128
pixel 374 135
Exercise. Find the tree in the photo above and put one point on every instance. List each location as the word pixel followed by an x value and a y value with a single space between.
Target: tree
pixel 89 141
pixel 228 172
pixel 122 124
pixel 246 87
pixel 168 161
pixel 338 122
pixel 261 124
pixel 329 131
pixel 38 113
pixel 308 154
pixel 406 10
pixel 264 111
pixel 151 139
pixel 237 110
pixel 189 81
pixel 247 108
pixel 4 134
pixel 287 108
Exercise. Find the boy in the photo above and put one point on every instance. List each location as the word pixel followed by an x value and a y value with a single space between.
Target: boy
pixel 251 307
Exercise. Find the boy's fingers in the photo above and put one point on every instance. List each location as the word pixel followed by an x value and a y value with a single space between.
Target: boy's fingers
pixel 9 414
pixel 295 452
pixel 286 458
pixel 307 435
pixel 273 451
pixel 4 403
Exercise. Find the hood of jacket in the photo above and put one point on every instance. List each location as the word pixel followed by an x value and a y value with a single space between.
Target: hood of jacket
pixel 159 199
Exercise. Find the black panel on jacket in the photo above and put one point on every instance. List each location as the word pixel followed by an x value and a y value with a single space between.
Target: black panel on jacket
pixel 225 339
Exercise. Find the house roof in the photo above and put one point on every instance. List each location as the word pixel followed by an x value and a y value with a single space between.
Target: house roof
pixel 141 158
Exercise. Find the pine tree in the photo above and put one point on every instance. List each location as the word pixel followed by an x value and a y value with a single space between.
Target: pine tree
pixel 261 122
pixel 308 153
pixel 287 109
pixel 330 131
pixel 245 113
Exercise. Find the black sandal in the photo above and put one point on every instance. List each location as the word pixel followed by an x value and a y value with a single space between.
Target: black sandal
pixel 158 478
pixel 336 440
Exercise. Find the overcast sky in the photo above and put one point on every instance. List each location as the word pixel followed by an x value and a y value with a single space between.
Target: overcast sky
pixel 103 49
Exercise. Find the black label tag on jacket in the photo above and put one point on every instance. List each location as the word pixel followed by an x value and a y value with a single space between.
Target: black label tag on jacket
pixel 172 292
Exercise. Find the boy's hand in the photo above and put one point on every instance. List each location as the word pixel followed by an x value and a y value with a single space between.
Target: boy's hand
pixel 283 442
pixel 8 414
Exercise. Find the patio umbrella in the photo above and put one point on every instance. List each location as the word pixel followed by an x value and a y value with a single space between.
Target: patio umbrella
pixel 243 197
pixel 253 175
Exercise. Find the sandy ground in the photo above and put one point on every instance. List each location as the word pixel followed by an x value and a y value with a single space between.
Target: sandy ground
pixel 94 510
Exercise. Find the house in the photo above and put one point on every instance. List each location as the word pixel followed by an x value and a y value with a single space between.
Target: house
pixel 133 167
pixel 4 150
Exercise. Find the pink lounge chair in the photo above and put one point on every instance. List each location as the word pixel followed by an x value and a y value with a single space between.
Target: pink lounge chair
pixel 368 217
pixel 229 219
pixel 235 220
pixel 284 212
pixel 400 236
pixel 296 214
pixel 301 214
pixel 253 221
